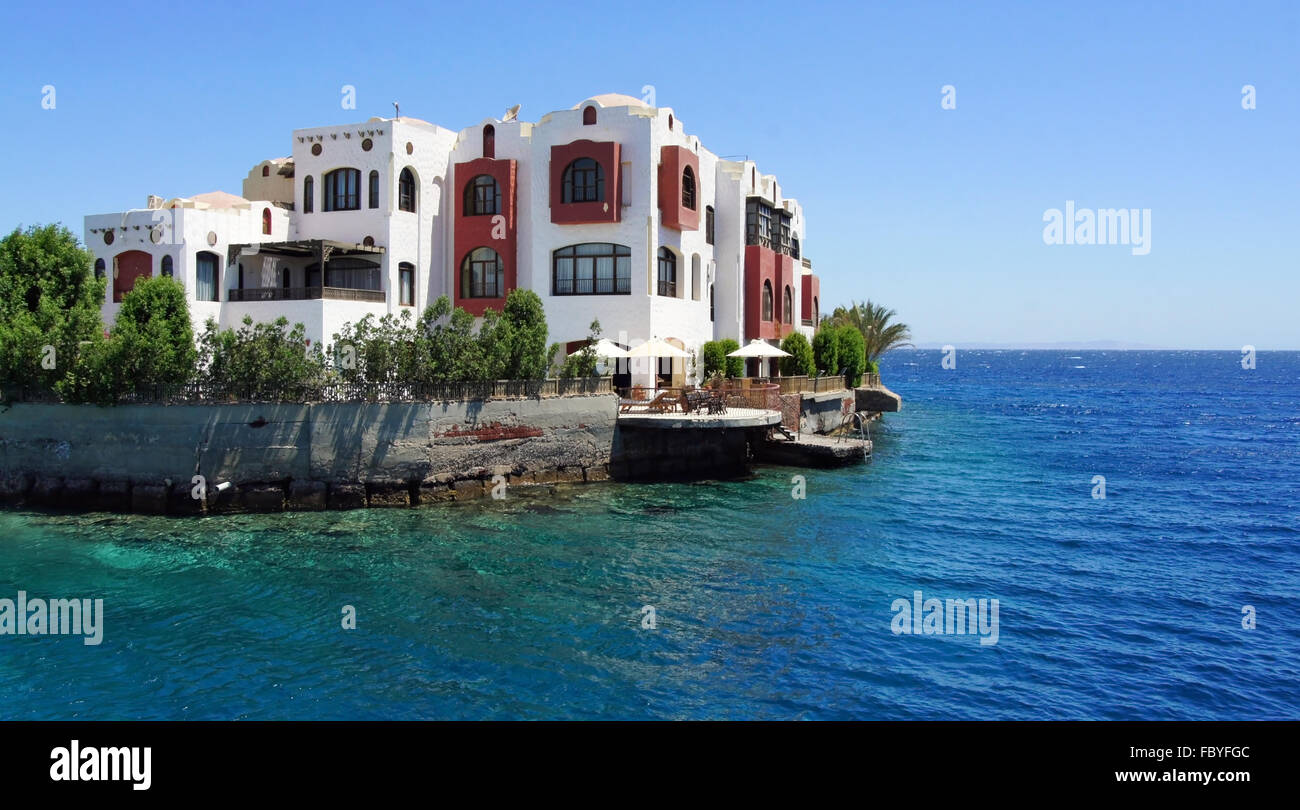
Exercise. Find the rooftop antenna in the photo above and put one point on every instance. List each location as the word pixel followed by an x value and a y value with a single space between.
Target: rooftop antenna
pixel 397 111
pixel 511 114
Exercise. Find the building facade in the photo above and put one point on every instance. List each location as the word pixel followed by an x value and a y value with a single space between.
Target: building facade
pixel 609 210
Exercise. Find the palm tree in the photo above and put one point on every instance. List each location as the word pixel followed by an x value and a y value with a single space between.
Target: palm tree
pixel 874 322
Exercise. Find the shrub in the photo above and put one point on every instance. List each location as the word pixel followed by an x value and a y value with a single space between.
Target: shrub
pixel 152 344
pixel 851 350
pixel 825 346
pixel 261 360
pixel 583 361
pixel 735 365
pixel 800 361
pixel 522 333
pixel 713 359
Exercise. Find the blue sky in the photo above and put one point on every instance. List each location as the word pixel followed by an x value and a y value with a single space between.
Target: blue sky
pixel 936 213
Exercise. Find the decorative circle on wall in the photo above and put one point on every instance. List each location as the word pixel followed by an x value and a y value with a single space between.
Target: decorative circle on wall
pixel 315 149
pixel 155 234
pixel 212 237
pixel 369 241
pixel 108 236
pixel 367 145
pixel 409 148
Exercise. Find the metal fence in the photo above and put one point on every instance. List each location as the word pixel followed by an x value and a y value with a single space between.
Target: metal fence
pixel 195 393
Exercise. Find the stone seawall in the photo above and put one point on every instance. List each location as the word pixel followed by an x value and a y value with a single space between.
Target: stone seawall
pixel 310 456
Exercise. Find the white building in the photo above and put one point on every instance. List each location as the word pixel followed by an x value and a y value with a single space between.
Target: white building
pixel 609 210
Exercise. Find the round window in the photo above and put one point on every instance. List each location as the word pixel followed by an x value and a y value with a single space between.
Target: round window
pixel 108 236
pixel 367 145
pixel 315 149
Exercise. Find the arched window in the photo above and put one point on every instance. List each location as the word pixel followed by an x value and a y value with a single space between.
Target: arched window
pixel 284 276
pixel 688 188
pixel 584 181
pixel 406 284
pixel 787 307
pixel 695 277
pixel 207 277
pixel 794 247
pixel 266 171
pixel 373 202
pixel 308 195
pixel 588 115
pixel 595 268
pixel 490 142
pixel 406 190
pixel 167 266
pixel 99 268
pixel 481 274
pixel 767 300
pixel 667 273
pixel 266 221
pixel 343 190
pixel 670 120
pixel 708 224
pixel 482 196
pixel 710 303
pixel 816 309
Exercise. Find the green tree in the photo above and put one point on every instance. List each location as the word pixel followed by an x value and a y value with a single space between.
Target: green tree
pixel 851 351
pixel 800 361
pixel 826 350
pixel 151 344
pixel 523 334
pixel 49 296
pixel 880 334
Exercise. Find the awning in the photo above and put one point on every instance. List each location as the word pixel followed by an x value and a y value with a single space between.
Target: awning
pixel 319 249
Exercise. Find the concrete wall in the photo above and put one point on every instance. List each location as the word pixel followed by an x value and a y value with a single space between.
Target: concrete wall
pixel 143 457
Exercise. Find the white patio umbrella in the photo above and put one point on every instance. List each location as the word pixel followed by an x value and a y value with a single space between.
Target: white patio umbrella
pixel 757 348
pixel 654 347
pixel 606 348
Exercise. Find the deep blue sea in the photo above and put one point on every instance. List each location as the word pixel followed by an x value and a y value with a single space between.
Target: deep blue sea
pixel 765 606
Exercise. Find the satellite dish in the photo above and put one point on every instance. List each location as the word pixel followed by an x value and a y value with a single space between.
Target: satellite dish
pixel 511 114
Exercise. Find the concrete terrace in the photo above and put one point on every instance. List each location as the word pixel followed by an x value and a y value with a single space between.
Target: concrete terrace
pixel 735 417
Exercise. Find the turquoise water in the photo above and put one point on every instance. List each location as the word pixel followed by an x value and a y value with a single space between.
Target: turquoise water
pixel 766 606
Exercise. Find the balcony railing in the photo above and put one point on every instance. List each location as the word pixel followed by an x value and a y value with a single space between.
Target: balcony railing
pixel 305 294
pixel 809 385
pixel 668 288
pixel 775 243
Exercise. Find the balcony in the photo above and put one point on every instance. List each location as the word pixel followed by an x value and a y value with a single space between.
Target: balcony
pixel 306 294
